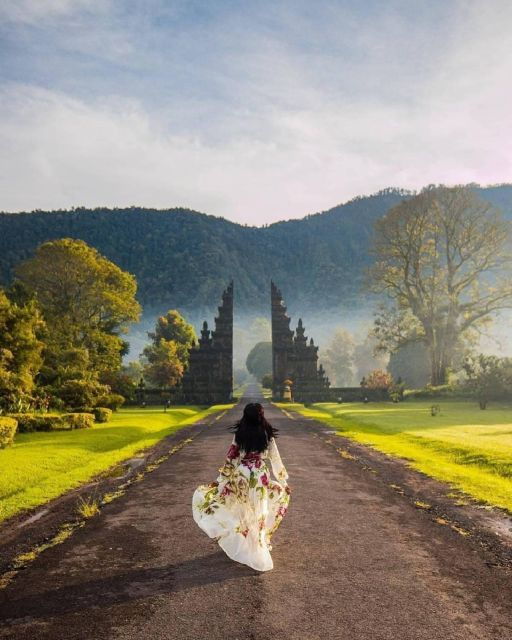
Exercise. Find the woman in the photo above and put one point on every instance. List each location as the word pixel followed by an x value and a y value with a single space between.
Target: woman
pixel 244 507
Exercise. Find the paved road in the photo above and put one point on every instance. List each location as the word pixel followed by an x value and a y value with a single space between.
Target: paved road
pixel 352 561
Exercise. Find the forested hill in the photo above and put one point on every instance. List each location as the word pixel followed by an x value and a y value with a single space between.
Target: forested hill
pixel 183 259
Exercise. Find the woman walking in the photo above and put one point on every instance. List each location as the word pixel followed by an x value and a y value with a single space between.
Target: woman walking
pixel 244 507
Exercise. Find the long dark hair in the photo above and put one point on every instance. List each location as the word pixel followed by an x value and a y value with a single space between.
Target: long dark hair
pixel 252 431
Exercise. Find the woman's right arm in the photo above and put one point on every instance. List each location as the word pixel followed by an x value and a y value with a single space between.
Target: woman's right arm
pixel 278 467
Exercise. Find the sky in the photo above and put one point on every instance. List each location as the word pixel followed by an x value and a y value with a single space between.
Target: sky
pixel 255 111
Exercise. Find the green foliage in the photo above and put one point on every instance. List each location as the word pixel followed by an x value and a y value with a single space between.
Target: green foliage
pixel 102 414
pixel 259 360
pixel 80 393
pixel 113 401
pixel 267 381
pixel 166 358
pixel 439 391
pixel 470 450
pixel 188 257
pixel 172 327
pixel 8 428
pixel 30 422
pixel 78 420
pixel 43 466
pixel 442 257
pixel 489 377
pixel 87 303
pixel 20 350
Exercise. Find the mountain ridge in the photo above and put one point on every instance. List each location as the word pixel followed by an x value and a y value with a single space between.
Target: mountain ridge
pixel 183 258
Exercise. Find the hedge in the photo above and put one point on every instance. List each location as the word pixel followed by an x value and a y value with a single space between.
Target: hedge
pixel 29 422
pixel 79 420
pixel 111 401
pixel 8 428
pixel 102 414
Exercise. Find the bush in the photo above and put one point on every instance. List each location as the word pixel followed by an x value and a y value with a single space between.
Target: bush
pixel 102 414
pixel 80 393
pixel 111 401
pixel 441 391
pixel 78 420
pixel 8 428
pixel 28 422
pixel 378 379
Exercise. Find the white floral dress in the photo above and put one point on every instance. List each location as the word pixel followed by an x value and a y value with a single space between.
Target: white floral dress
pixel 244 507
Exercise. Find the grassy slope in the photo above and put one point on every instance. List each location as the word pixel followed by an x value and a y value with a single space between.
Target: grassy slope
pixel 42 466
pixel 464 446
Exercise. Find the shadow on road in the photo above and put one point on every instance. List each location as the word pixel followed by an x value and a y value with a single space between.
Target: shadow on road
pixel 126 587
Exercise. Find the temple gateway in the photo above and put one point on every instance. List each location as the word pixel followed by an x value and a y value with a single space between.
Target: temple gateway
pixel 209 377
pixel 295 370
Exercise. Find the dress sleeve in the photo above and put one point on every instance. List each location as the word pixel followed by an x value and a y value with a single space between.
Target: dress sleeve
pixel 228 470
pixel 278 467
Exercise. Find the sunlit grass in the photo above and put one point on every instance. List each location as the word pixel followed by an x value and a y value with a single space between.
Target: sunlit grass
pixel 469 448
pixel 41 466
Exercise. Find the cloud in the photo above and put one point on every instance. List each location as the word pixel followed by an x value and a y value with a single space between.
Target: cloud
pixel 274 114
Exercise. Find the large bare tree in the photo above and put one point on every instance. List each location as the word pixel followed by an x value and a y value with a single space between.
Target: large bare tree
pixel 443 257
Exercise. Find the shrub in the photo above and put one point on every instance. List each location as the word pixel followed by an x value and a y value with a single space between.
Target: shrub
pixel 80 393
pixel 111 401
pixel 267 381
pixel 8 428
pixel 28 422
pixel 441 391
pixel 378 379
pixel 102 414
pixel 78 420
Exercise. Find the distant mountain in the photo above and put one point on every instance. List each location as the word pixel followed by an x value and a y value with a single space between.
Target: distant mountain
pixel 183 259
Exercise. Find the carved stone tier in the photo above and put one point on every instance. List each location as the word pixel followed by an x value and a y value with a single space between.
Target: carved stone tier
pixel 293 358
pixel 209 377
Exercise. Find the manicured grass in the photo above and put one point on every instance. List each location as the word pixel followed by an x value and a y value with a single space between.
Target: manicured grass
pixel 42 466
pixel 469 448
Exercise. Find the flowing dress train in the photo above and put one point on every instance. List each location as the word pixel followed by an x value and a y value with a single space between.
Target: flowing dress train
pixel 244 507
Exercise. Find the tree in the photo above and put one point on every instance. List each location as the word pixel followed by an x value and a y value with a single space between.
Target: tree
pixel 20 350
pixel 441 257
pixel 173 327
pixel 267 381
pixel 489 377
pixel 367 358
pixel 259 360
pixel 167 357
pixel 86 300
pixel 163 366
pixel 338 358
pixel 410 362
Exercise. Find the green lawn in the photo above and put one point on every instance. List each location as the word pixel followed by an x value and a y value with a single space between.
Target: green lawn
pixel 42 466
pixel 469 448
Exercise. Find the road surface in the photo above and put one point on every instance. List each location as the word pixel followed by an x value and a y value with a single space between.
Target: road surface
pixel 353 560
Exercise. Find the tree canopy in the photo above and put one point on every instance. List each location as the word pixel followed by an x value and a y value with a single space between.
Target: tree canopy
pixel 259 360
pixel 20 350
pixel 166 358
pixel 442 258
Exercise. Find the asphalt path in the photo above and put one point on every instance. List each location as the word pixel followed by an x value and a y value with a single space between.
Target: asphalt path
pixel 352 561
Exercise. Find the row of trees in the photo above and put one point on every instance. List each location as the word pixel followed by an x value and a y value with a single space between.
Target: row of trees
pixel 62 326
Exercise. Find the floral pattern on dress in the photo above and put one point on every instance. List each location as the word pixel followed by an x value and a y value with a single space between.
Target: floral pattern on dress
pixel 245 506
